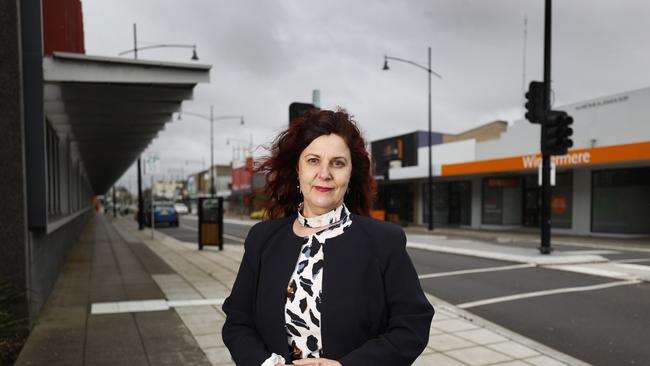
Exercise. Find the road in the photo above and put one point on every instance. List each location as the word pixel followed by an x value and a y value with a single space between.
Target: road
pixel 599 320
pixel 234 232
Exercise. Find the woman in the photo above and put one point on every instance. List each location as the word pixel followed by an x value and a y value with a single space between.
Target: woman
pixel 322 283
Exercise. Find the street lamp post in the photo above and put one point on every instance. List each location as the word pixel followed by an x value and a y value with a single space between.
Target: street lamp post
pixel 211 118
pixel 134 50
pixel 429 72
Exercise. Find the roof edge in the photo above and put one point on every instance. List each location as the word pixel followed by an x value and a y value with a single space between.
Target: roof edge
pixel 126 61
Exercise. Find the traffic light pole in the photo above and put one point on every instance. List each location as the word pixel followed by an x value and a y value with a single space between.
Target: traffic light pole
pixel 545 243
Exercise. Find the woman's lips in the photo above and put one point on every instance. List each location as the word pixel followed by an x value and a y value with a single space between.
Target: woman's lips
pixel 322 189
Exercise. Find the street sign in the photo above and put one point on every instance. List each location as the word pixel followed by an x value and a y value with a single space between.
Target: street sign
pixel 539 174
pixel 152 163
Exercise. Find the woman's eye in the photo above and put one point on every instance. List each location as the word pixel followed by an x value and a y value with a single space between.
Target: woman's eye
pixel 312 161
pixel 338 163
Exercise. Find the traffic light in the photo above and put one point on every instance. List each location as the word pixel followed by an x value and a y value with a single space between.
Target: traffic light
pixel 535 102
pixel 556 139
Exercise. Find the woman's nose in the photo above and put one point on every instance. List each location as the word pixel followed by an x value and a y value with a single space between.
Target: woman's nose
pixel 324 172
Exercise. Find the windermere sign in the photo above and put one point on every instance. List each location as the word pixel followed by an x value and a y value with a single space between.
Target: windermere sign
pixel 596 155
pixel 533 161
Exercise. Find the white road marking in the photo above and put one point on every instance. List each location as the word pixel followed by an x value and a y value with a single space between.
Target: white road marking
pixel 128 306
pixel 632 260
pixel 598 252
pixel 591 271
pixel 527 295
pixel 478 270
pixel 147 305
pixel 232 237
pixel 250 222
pixel 638 267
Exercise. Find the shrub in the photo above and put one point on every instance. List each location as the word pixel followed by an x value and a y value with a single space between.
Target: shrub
pixel 13 329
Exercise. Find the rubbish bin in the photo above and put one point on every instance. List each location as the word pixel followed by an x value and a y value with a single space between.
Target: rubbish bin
pixel 210 222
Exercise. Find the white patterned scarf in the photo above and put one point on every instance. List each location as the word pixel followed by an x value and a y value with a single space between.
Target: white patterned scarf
pixel 304 292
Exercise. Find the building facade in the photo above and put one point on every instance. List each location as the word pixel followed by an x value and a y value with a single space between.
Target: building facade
pixel 72 125
pixel 602 186
pixel 247 187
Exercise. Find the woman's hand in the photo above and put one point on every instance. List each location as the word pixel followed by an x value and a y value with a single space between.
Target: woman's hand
pixel 316 362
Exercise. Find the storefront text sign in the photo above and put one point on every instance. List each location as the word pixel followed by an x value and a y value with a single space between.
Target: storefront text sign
pixel 596 155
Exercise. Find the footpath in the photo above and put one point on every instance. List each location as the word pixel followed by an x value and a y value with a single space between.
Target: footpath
pixel 125 298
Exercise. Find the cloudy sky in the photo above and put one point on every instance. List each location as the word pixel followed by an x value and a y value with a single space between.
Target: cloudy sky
pixel 267 54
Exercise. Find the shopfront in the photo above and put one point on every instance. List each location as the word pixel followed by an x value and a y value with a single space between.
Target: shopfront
pixel 602 185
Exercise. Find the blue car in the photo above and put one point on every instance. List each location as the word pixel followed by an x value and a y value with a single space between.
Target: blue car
pixel 163 213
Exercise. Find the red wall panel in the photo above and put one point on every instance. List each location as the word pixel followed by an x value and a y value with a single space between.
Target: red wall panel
pixel 63 26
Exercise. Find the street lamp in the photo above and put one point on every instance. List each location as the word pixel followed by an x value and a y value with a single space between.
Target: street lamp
pixel 429 73
pixel 135 50
pixel 211 118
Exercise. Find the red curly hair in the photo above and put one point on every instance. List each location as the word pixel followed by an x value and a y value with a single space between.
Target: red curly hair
pixel 280 167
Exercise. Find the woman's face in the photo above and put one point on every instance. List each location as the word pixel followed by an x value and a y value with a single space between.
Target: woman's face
pixel 324 169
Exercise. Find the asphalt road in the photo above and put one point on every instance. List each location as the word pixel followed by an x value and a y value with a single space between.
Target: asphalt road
pixel 600 325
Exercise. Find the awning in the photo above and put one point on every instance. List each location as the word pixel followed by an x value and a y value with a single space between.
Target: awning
pixel 111 108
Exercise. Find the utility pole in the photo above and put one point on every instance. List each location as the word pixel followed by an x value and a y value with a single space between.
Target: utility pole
pixel 555 136
pixel 212 171
pixel 140 198
pixel 545 243
pixel 429 71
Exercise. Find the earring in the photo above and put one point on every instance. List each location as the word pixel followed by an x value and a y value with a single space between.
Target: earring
pixel 298 187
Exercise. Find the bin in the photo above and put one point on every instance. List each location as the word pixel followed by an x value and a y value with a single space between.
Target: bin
pixel 210 222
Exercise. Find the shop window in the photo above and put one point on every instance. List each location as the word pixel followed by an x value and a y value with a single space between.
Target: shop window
pixel 452 203
pixel 502 197
pixel 621 201
pixel 562 201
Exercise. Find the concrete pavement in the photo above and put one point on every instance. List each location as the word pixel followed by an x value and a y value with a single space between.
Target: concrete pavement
pixel 125 298
pixel 102 267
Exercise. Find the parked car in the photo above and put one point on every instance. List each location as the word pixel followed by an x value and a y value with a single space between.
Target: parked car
pixel 181 208
pixel 163 213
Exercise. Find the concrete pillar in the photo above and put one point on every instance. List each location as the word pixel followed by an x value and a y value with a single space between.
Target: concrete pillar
pixel 476 201
pixel 13 203
pixel 581 214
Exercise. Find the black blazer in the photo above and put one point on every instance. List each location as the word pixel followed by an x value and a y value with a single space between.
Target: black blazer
pixel 373 312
